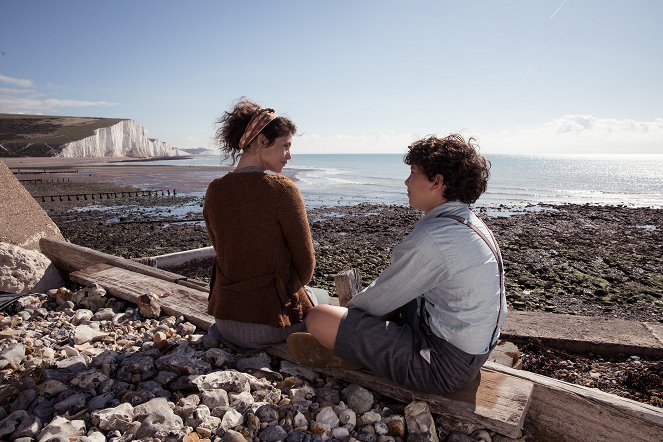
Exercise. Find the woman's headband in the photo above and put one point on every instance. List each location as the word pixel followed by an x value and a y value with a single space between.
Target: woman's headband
pixel 256 125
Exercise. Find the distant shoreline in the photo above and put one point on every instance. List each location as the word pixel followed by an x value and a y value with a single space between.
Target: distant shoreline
pixel 48 162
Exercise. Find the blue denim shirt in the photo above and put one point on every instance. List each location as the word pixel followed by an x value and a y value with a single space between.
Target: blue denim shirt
pixel 456 272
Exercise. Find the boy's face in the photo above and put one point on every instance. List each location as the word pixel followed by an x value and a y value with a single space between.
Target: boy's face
pixel 424 194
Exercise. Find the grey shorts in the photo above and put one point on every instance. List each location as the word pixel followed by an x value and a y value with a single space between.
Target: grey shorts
pixel 391 350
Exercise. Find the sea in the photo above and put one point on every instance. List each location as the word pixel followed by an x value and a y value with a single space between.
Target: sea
pixel 515 180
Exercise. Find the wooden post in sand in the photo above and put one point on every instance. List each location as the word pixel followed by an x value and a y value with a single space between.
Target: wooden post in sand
pixel 348 284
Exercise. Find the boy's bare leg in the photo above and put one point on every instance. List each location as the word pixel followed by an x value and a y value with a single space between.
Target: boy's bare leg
pixel 323 321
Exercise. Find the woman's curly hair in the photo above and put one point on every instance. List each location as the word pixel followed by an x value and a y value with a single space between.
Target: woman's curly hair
pixel 233 124
pixel 465 171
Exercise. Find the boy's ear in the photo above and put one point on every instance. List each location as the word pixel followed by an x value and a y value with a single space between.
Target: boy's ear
pixel 438 180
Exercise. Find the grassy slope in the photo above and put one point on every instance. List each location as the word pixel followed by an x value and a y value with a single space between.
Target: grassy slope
pixel 37 129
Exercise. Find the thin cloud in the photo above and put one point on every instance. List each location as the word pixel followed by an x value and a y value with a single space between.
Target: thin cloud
pixel 20 82
pixel 569 134
pixel 557 10
pixel 25 98
pixel 21 105
pixel 581 134
pixel 6 90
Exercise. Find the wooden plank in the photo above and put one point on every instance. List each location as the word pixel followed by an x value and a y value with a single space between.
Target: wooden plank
pixel 563 411
pixel 71 257
pixel 348 284
pixel 174 299
pixel 495 401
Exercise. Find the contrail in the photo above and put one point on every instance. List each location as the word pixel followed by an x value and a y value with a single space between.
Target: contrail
pixel 557 10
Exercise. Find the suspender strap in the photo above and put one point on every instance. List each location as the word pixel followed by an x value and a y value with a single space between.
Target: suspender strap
pixel 498 257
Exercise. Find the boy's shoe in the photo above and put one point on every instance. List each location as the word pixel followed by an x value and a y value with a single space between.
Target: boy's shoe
pixel 308 351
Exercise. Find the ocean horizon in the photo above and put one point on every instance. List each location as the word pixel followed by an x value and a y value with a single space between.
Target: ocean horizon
pixel 516 180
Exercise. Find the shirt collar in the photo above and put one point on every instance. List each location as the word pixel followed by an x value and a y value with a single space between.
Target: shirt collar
pixel 447 207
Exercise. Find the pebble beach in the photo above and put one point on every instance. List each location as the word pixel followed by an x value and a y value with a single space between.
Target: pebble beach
pixel 116 374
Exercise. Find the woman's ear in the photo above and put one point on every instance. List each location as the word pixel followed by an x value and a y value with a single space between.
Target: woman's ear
pixel 262 140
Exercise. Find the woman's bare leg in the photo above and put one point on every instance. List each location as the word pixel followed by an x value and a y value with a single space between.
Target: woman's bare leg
pixel 322 321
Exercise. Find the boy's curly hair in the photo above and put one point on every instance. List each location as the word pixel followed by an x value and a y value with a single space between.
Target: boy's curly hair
pixel 465 171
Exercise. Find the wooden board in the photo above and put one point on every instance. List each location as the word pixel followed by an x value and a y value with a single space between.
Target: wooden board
pixel 563 411
pixel 71 257
pixel 175 300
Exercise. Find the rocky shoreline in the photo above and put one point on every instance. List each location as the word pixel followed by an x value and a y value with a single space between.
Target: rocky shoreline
pixel 588 260
pixel 80 365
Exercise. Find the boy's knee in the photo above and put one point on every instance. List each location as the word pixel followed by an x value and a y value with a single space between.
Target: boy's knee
pixel 313 318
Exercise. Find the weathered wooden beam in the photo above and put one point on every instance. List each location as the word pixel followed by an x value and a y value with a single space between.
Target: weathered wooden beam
pixel 563 411
pixel 178 258
pixel 70 257
pixel 348 284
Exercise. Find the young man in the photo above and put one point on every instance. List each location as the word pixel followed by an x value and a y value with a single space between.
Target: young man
pixel 444 288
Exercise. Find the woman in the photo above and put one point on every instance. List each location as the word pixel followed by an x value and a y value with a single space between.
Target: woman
pixel 258 227
pixel 444 287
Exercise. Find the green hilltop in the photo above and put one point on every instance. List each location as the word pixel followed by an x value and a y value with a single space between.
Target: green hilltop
pixel 44 135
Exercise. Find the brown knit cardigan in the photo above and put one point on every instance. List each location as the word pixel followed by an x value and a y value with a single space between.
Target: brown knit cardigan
pixel 258 227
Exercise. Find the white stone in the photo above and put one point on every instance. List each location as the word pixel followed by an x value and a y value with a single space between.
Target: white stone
pixel 370 418
pixel 214 398
pixel 299 421
pixel 240 401
pixel 95 436
pixel 229 380
pixel 25 271
pixel 92 297
pixel 62 429
pixel 143 410
pixel 304 393
pixel 327 416
pixel 85 333
pixel 340 433
pixel 70 351
pixel 420 421
pixel 14 354
pixel 231 419
pixel 348 417
pixel 114 418
pixel 160 424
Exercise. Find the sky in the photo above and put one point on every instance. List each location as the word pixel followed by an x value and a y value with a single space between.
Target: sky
pixel 546 76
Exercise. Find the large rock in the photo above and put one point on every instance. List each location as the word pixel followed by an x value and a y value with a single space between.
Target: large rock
pixel 24 222
pixel 25 271
pixel 62 429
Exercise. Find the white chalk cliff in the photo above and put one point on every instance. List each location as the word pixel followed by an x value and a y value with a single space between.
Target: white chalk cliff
pixel 124 139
